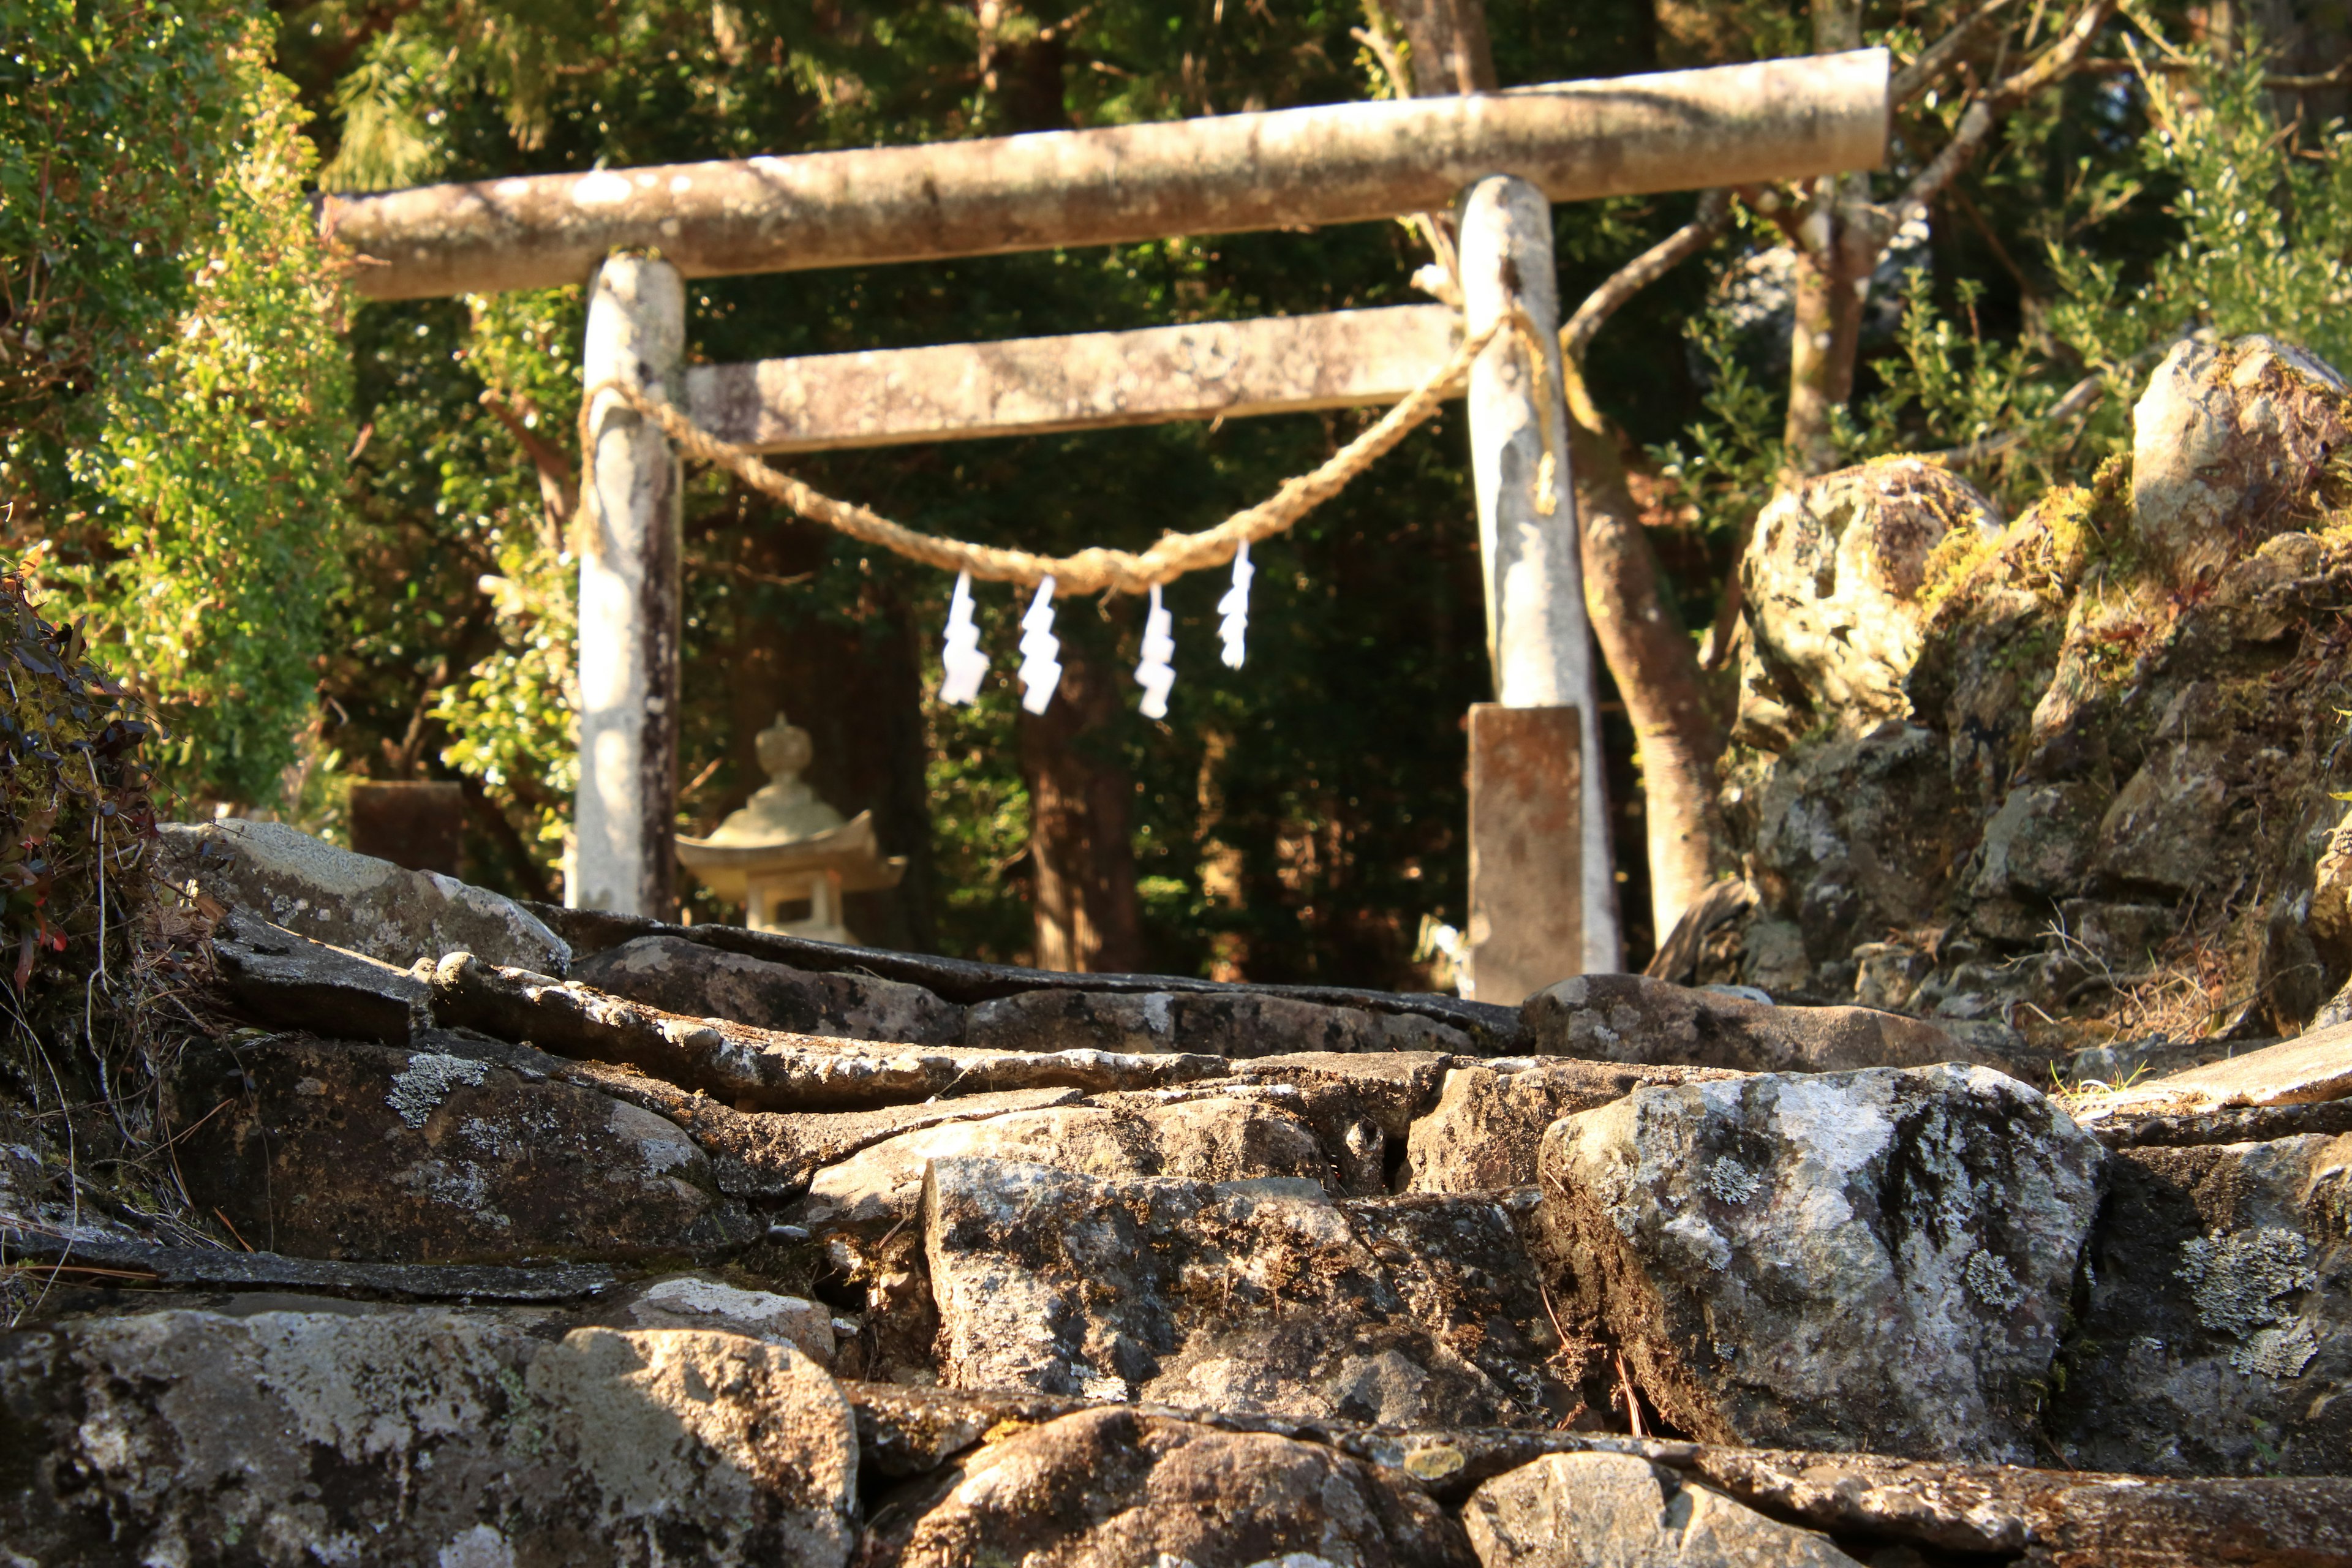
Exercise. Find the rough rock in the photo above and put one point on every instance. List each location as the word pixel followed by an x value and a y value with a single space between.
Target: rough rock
pixel 1360 1106
pixel 1571 1511
pixel 1250 1296
pixel 692 1301
pixel 1833 577
pixel 1487 1126
pixel 1221 1136
pixel 686 977
pixel 2217 1339
pixel 339 1150
pixel 290 982
pixel 355 901
pixel 764 1069
pixel 1873 1260
pixel 2228 443
pixel 418 1435
pixel 1114 1488
pixel 1223 1023
pixel 1633 1018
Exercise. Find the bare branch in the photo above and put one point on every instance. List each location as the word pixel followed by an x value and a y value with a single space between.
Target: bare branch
pixel 1942 55
pixel 1714 217
pixel 559 495
pixel 2080 398
pixel 2056 62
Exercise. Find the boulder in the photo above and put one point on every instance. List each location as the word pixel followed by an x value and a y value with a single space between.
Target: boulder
pixel 1875 1260
pixel 340 1435
pixel 2229 443
pixel 2217 1339
pixel 1249 1296
pixel 1833 574
pixel 681 976
pixel 1223 1024
pixel 1114 1488
pixel 1487 1126
pixel 1218 1137
pixel 355 901
pixel 340 1149
pixel 1576 1510
pixel 1633 1018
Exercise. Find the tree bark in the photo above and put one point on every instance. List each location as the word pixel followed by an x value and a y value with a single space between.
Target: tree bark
pixel 1082 858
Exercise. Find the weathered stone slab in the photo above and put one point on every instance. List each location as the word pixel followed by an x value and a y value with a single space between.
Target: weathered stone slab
pixel 418 1436
pixel 1872 1260
pixel 765 1069
pixel 1211 1137
pixel 355 901
pixel 1484 1131
pixel 1633 1018
pixel 1574 1510
pixel 688 978
pixel 367 1153
pixel 1116 1488
pixel 217 1269
pixel 1237 1024
pixel 2037 1516
pixel 2317 1066
pixel 774 1153
pixel 292 982
pixel 1361 1106
pixel 2217 1339
pixel 1252 1296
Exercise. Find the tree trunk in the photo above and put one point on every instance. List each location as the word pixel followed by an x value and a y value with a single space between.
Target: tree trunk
pixel 1657 670
pixel 1826 334
pixel 1653 662
pixel 1081 855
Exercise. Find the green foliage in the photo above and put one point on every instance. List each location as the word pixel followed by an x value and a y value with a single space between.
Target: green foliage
pixel 179 469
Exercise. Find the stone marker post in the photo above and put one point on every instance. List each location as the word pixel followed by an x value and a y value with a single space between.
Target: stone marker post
pixel 1537 633
pixel 629 600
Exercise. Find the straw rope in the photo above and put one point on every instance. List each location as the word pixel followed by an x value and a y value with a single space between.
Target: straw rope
pixel 1092 571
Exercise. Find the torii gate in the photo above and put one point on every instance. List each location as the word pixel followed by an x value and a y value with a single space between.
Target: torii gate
pixel 1539 826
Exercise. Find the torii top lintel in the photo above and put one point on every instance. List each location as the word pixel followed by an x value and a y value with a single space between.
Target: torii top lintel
pixel 1294 168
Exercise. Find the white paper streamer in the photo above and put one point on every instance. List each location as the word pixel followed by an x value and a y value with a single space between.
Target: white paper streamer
pixel 1154 674
pixel 965 664
pixel 1040 671
pixel 1235 607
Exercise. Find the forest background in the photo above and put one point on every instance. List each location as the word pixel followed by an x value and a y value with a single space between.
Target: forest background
pixel 327 536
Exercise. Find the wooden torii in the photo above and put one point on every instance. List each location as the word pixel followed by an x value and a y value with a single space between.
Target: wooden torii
pixel 1543 898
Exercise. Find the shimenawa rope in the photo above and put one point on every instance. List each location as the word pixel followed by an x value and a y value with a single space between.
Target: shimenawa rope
pixel 1090 570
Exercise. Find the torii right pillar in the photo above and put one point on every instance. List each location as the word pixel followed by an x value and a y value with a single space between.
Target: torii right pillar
pixel 1543 888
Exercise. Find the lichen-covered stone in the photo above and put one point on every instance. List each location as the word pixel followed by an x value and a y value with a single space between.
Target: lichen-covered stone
pixel 2229 443
pixel 337 1148
pixel 2217 1339
pixel 1576 1510
pixel 1877 1260
pixel 1112 1488
pixel 1833 575
pixel 423 1437
pixel 357 901
pixel 681 976
pixel 1249 1296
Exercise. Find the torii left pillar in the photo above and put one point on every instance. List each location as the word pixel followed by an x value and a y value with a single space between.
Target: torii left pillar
pixel 623 858
pixel 1543 895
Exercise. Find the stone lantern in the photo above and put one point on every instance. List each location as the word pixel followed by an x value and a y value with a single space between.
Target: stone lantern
pixel 787 847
